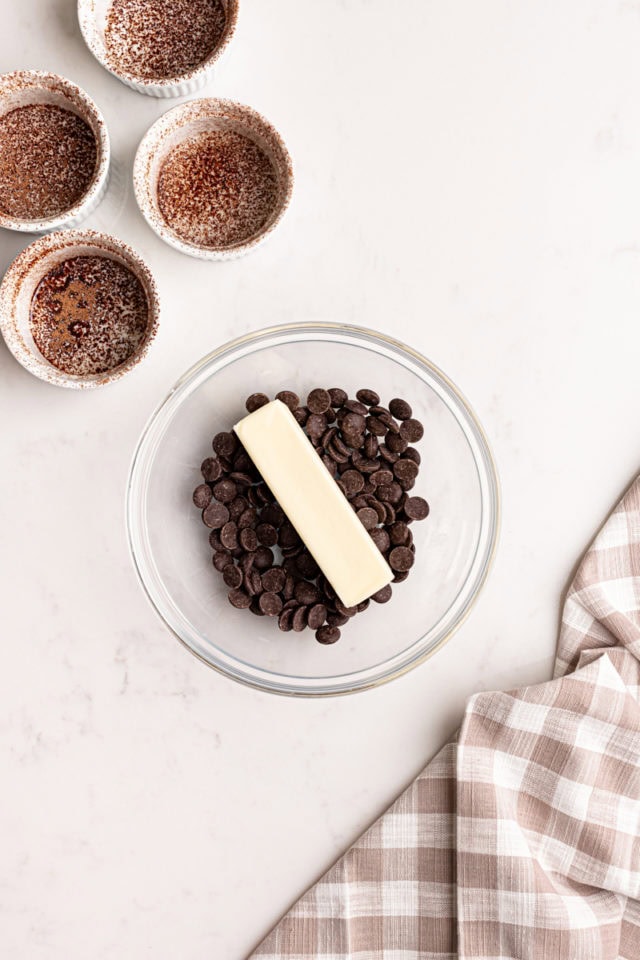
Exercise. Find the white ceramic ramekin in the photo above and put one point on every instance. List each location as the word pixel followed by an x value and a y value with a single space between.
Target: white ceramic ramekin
pixel 24 87
pixel 92 16
pixel 26 272
pixel 188 120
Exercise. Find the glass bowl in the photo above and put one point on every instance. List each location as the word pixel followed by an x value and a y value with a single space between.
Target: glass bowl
pixel 454 545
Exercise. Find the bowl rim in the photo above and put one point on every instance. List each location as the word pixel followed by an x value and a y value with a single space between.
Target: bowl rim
pixel 281 684
pixel 39 79
pixel 161 85
pixel 152 139
pixel 18 270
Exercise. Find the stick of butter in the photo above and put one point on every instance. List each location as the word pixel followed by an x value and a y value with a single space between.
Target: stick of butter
pixel 313 503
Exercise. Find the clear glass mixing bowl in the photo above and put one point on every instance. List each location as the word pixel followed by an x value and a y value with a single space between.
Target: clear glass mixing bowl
pixel 454 546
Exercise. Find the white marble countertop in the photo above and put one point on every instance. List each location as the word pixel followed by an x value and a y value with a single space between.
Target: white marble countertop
pixel 467 179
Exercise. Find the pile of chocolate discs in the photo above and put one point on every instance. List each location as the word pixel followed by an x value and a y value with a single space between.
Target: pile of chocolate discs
pixel 368 449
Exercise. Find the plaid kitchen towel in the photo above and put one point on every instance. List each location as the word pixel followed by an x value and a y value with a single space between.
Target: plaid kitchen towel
pixel 521 840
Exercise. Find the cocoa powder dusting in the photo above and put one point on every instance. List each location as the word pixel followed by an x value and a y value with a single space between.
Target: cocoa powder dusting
pixel 89 315
pixel 163 38
pixel 217 189
pixel 48 158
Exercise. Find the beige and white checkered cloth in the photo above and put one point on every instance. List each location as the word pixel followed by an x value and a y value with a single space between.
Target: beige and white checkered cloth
pixel 522 838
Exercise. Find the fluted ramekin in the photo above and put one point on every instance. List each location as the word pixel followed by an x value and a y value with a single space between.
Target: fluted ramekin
pixel 26 272
pixel 92 16
pixel 25 87
pixel 188 120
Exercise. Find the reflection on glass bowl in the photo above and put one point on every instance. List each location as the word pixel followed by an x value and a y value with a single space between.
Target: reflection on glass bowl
pixel 454 546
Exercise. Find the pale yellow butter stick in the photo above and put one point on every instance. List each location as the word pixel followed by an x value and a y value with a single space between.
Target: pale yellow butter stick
pixel 314 503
